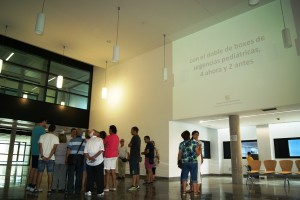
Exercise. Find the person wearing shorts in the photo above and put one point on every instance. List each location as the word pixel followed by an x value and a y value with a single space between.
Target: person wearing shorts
pixel 188 152
pixel 47 145
pixel 134 158
pixel 149 159
pixel 38 130
pixel 111 145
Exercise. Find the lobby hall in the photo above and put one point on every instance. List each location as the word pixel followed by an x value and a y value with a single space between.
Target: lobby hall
pixel 217 60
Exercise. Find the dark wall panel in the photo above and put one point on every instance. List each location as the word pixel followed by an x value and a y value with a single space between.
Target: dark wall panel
pixel 25 109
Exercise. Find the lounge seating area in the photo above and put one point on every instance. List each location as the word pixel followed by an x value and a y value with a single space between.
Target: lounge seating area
pixel 254 169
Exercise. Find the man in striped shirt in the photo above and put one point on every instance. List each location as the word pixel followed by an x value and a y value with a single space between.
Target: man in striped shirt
pixel 75 148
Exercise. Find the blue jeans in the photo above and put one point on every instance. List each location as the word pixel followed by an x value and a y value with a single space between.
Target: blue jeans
pixel 191 168
pixel 43 164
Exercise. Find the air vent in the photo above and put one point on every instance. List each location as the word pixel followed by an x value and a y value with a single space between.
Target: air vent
pixel 269 109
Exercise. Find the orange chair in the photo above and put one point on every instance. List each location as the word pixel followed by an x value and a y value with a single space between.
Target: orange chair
pixel 270 166
pixel 255 167
pixel 286 169
pixel 297 162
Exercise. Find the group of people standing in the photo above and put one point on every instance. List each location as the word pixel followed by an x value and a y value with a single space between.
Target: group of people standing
pixel 190 158
pixel 79 164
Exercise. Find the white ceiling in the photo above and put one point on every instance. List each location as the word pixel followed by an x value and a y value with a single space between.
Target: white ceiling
pixel 252 118
pixel 88 30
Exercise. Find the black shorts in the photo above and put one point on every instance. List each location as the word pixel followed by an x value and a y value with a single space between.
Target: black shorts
pixel 34 161
pixel 134 167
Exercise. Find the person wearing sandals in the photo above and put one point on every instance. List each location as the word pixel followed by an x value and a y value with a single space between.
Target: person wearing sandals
pixel 195 135
pixel 188 152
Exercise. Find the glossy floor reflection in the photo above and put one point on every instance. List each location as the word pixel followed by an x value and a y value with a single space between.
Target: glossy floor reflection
pixel 214 187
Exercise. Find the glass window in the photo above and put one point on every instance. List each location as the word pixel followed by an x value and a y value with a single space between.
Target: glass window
pixel 69 72
pixel 9 87
pixel 23 58
pixel 78 101
pixel 69 85
pixel 36 76
pixel 50 96
pixel 23 74
pixel 33 92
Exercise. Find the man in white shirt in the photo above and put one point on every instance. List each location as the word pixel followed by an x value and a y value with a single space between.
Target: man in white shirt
pixel 123 157
pixel 93 152
pixel 47 146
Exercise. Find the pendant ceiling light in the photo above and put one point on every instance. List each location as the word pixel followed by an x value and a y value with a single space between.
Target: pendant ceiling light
pixel 60 78
pixel 116 50
pixel 1 63
pixel 286 36
pixel 40 21
pixel 104 89
pixel 165 69
pixel 59 82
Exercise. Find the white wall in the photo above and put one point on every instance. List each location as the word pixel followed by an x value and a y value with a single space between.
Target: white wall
pixel 209 166
pixel 264 135
pixel 247 133
pixel 283 130
pixel 138 96
pixel 234 66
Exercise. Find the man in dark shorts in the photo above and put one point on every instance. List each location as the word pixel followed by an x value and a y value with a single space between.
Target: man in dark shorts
pixel 134 158
pixel 37 131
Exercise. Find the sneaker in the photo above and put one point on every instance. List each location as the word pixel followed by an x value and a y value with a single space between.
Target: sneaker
pixel 32 189
pixel 28 188
pixel 100 195
pixel 137 187
pixel 49 192
pixel 113 189
pixel 132 188
pixel 88 194
pixel 106 190
pixel 38 190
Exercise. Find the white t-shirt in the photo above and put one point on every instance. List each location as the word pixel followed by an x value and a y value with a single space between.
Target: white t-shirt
pixel 122 151
pixel 48 140
pixel 93 146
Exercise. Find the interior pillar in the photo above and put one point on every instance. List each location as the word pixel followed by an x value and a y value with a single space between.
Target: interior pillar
pixel 236 149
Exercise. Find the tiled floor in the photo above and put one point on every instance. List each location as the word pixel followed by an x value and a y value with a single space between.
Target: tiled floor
pixel 214 187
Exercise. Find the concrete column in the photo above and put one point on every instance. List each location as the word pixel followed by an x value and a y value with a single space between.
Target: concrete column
pixel 264 143
pixel 236 149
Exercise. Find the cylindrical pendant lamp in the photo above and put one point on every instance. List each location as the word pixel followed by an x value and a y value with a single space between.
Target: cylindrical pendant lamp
pixel 40 23
pixel 116 53
pixel 59 81
pixel 104 92
pixel 1 63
